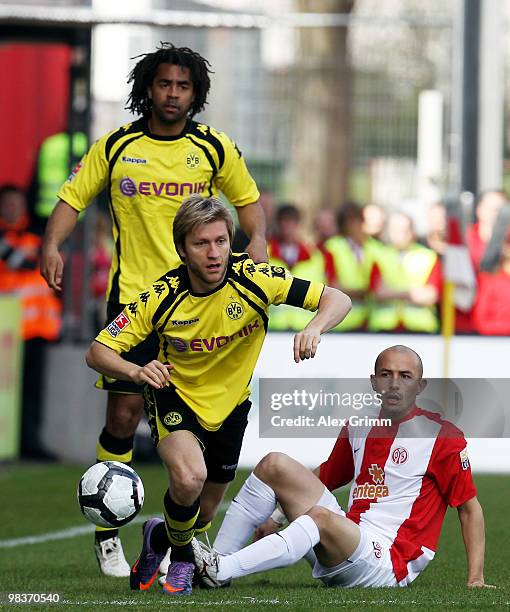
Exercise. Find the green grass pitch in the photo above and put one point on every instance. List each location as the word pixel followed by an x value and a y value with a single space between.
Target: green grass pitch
pixel 38 500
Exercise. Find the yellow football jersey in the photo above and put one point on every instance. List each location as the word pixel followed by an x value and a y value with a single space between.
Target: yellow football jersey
pixel 213 339
pixel 147 178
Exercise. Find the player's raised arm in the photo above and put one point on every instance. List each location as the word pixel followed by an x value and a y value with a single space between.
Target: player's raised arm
pixel 60 225
pixel 473 534
pixel 106 361
pixel 334 306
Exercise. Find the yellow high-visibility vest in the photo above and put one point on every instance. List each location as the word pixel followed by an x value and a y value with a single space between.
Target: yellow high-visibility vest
pixel 402 272
pixel 353 273
pixel 53 167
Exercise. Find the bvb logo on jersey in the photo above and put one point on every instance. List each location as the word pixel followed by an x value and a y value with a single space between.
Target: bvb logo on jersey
pixel 192 160
pixel 172 418
pixel 234 310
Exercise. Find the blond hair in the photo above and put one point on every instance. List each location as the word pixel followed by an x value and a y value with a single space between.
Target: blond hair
pixel 196 211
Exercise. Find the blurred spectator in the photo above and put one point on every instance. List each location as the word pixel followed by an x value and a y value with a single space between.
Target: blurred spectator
pixel 353 254
pixel 374 217
pixel 479 234
pixel 100 260
pixel 19 274
pixel 406 281
pixel 286 249
pixel 491 313
pixel 325 226
pixel 53 167
pixel 436 236
pixel 267 200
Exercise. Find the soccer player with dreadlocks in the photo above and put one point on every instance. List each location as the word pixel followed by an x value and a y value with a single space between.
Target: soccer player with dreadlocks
pixel 149 167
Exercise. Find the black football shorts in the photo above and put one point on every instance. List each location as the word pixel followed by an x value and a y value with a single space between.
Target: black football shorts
pixel 168 412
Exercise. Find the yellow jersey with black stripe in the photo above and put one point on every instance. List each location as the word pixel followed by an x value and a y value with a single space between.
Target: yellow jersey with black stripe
pixel 213 339
pixel 147 177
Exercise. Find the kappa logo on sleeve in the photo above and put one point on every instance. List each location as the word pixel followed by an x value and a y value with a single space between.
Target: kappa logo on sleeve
pixel 117 325
pixel 464 459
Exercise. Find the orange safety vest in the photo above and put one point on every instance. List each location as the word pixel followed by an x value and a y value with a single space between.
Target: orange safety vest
pixel 41 317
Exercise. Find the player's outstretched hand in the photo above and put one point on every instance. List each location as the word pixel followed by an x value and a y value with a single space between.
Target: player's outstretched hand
pixel 305 344
pixel 155 374
pixel 480 584
pixel 266 529
pixel 52 267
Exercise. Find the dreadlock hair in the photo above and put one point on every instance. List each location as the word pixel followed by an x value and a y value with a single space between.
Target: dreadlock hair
pixel 145 70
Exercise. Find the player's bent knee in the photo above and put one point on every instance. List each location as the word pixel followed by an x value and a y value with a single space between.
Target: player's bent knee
pixel 271 466
pixel 188 482
pixel 321 516
pixel 123 413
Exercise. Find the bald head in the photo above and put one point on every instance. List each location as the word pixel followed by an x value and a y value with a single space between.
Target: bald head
pixel 399 349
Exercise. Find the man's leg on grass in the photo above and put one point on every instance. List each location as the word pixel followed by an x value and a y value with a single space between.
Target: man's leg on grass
pixel 333 537
pixel 305 501
pixel 217 456
pixel 276 477
pixel 123 412
pixel 210 499
pixel 182 455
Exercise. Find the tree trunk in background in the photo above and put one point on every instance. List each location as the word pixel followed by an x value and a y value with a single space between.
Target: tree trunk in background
pixel 322 135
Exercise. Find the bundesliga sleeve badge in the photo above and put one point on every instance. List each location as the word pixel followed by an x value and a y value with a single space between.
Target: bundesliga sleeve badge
pixel 117 325
pixel 74 172
pixel 464 459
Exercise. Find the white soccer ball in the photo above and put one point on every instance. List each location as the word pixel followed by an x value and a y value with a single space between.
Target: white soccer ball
pixel 110 494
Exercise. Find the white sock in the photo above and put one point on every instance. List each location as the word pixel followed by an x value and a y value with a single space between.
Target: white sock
pixel 276 550
pixel 253 504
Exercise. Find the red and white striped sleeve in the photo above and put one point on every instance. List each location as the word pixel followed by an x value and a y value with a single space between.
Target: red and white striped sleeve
pixel 449 465
pixel 338 469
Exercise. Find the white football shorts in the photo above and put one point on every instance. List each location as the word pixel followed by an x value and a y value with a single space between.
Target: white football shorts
pixel 368 566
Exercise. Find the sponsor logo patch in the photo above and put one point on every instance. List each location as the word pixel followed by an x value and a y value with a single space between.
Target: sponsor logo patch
pixel 464 459
pixel 74 172
pixel 199 345
pixel 278 272
pixel 179 344
pixel 192 160
pixel 372 491
pixel 172 418
pixel 127 187
pixel 181 323
pixel 117 325
pixel 377 550
pixel 133 160
pixel 399 455
pixel 234 310
pixel 377 473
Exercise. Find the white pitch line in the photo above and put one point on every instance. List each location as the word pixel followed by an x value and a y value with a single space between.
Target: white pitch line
pixel 242 601
pixel 71 532
pixel 64 534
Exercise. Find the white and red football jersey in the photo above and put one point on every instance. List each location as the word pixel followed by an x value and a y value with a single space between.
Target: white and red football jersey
pixel 404 477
